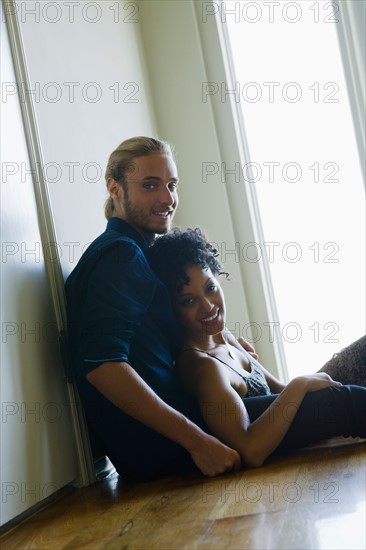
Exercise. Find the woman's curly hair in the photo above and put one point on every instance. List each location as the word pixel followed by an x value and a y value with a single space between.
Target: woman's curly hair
pixel 171 253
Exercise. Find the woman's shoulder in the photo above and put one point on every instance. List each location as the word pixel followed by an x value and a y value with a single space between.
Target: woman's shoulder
pixel 192 357
pixel 197 367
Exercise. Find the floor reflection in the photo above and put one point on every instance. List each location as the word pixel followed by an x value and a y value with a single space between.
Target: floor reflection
pixel 343 532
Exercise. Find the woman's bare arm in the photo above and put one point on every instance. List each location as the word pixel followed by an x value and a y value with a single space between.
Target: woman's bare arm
pixel 227 417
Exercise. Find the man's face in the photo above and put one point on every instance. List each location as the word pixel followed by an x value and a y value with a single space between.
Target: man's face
pixel 149 196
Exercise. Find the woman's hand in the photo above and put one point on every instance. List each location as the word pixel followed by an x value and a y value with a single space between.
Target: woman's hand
pixel 318 381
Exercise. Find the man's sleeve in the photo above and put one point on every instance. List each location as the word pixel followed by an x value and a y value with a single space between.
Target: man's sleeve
pixel 119 291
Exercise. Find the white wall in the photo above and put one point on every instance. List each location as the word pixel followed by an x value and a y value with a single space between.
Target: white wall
pixel 176 72
pixel 187 54
pixel 93 113
pixel 38 454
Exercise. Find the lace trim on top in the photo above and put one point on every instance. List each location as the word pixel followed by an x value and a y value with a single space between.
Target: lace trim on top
pixel 255 381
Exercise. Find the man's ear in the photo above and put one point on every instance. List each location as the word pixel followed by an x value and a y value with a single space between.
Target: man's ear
pixel 114 188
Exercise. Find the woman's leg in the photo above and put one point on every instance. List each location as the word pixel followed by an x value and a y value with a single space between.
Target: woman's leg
pixel 323 414
pixel 349 365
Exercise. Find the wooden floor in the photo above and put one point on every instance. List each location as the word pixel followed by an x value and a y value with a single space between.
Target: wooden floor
pixel 314 498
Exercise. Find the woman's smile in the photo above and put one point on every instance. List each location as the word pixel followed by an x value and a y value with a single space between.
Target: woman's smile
pixel 212 319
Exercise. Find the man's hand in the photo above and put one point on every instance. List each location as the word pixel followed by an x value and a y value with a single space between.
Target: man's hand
pixel 248 347
pixel 214 458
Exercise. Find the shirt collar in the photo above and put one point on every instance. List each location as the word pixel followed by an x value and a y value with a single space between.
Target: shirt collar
pixel 117 224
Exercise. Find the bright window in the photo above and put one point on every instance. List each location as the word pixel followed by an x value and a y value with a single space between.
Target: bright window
pixel 305 169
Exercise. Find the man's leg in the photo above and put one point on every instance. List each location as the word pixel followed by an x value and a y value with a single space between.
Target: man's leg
pixel 139 453
pixel 136 451
pixel 349 365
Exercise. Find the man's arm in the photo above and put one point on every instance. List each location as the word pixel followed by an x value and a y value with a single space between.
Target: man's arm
pixel 121 287
pixel 119 383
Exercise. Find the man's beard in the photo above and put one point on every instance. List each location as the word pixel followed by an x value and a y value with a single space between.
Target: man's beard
pixel 140 219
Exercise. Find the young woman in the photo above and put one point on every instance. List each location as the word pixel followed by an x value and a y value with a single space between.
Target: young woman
pixel 223 376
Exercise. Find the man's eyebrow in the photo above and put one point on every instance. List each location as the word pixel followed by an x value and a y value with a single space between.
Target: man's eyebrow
pixel 157 178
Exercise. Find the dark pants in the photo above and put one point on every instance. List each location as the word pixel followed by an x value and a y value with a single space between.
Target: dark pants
pixel 138 452
pixel 323 414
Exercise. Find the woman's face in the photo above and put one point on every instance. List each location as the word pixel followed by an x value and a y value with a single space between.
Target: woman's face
pixel 200 307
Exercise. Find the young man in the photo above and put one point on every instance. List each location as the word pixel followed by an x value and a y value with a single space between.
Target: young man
pixel 123 334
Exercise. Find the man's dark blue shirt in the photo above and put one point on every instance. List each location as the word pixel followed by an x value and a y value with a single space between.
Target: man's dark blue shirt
pixel 118 310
